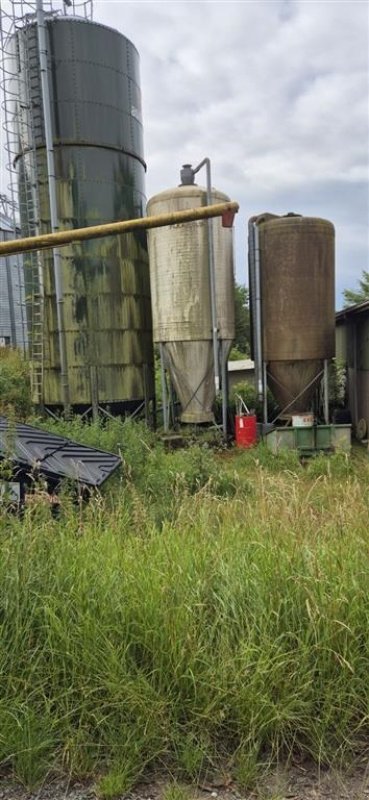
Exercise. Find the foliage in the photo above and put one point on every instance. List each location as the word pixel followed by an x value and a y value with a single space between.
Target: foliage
pixel 337 380
pixel 160 478
pixel 351 297
pixel 211 611
pixel 236 355
pixel 249 395
pixel 242 319
pixel 15 387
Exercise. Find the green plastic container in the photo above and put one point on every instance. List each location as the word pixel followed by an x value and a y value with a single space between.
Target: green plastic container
pixel 308 441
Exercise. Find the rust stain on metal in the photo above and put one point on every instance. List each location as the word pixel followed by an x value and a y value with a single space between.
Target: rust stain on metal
pixel 297 282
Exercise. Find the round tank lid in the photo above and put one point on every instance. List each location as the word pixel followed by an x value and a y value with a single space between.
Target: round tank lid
pixel 57 17
pixel 187 191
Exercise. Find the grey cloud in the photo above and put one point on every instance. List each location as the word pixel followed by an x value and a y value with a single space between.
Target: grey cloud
pixel 276 93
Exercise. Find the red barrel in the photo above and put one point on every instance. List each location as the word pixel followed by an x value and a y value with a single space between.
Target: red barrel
pixel 246 435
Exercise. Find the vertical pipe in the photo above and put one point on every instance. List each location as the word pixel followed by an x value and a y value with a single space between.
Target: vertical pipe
pixel 94 393
pixel 224 378
pixel 45 92
pixel 206 162
pixel 21 288
pixel 258 337
pixel 172 407
pixel 164 397
pixel 326 392
pixel 146 393
pixel 13 332
pixel 265 393
pixel 212 280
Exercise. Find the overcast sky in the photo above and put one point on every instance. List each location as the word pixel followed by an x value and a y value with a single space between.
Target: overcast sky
pixel 275 93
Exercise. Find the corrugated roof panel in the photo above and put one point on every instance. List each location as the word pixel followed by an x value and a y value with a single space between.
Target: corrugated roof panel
pixel 55 456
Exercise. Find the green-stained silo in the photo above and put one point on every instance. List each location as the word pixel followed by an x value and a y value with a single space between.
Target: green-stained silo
pixel 99 177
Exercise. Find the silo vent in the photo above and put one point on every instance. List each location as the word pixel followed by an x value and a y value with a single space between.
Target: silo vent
pixel 187 175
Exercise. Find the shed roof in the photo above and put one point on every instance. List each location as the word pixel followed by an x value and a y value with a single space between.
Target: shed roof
pixel 351 311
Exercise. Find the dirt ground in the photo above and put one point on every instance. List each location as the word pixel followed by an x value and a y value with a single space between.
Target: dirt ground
pixel 293 783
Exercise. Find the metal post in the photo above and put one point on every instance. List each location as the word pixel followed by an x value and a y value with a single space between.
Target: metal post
pixel 261 384
pixel 13 332
pixel 172 407
pixel 164 397
pixel 355 392
pixel 45 92
pixel 206 162
pixel 22 302
pixel 265 393
pixel 224 377
pixel 146 392
pixel 94 393
pixel 326 391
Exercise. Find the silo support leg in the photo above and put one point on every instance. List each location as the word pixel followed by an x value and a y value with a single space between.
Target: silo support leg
pixel 146 394
pixel 94 393
pixel 164 397
pixel 224 379
pixel 326 392
pixel 265 394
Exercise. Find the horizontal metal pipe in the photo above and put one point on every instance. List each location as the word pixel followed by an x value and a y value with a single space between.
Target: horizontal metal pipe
pixel 62 238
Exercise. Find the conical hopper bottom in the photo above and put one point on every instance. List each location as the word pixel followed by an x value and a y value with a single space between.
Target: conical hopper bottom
pixel 192 373
pixel 293 383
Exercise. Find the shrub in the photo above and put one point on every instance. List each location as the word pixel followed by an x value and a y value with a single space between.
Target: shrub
pixel 15 386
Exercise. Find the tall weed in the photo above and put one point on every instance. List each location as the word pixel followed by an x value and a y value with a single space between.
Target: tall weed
pixel 211 610
pixel 15 384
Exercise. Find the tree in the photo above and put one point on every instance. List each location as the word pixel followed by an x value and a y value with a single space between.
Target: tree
pixel 242 319
pixel 351 297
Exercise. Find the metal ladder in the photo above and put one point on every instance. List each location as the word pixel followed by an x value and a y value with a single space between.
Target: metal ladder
pixel 30 213
pixel 20 335
pixel 20 87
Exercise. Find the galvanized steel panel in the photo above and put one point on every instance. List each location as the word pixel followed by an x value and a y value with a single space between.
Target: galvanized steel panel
pixel 12 300
pixel 100 173
pixel 95 93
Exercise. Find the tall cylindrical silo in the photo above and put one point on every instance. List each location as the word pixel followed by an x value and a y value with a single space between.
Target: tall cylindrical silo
pixel 13 330
pixel 99 171
pixel 297 305
pixel 181 297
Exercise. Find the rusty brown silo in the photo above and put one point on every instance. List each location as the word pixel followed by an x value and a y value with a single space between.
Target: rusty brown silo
pixel 297 304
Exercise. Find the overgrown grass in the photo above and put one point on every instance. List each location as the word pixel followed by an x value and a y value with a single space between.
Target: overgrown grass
pixel 210 611
pixel 15 387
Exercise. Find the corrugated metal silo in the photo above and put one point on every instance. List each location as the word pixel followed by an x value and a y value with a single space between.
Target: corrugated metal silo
pixel 181 298
pixel 99 171
pixel 12 320
pixel 297 304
